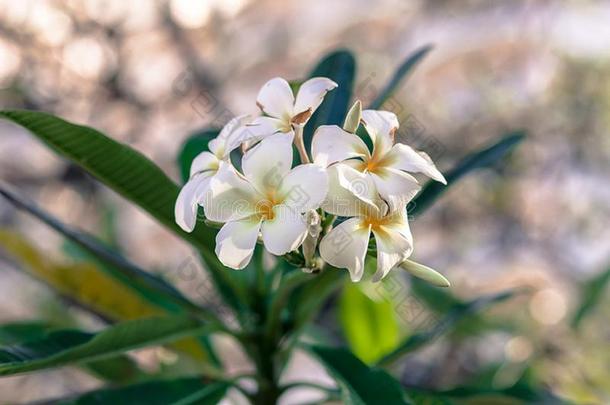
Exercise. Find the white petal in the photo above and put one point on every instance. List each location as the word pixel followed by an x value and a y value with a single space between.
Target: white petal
pixel 304 187
pixel 203 162
pixel 285 232
pixel 185 210
pixel 222 145
pixel 259 128
pixel 341 201
pixel 266 164
pixel 404 157
pixel 275 98
pixel 345 246
pixel 311 93
pixel 380 125
pixel 393 247
pixel 331 144
pixel 396 187
pixel 360 184
pixel 235 242
pixel 229 197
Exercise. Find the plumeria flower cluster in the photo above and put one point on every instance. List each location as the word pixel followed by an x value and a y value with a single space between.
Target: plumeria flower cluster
pixel 354 190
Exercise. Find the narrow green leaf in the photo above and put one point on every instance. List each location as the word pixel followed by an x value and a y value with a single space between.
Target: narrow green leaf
pixel 591 294
pixel 359 384
pixel 59 348
pixel 19 332
pixel 370 327
pixel 403 70
pixel 457 314
pixel 484 158
pixel 119 369
pixel 154 288
pixel 339 66
pixel 120 167
pixel 183 391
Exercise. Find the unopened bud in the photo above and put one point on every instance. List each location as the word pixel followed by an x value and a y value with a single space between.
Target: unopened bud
pixel 352 119
pixel 425 273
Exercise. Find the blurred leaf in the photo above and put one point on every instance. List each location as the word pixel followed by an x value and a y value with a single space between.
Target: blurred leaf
pixel 19 332
pixel 154 288
pixel 590 295
pixel 405 68
pixel 120 167
pixel 309 298
pixel 194 145
pixel 458 313
pixel 483 158
pixel 370 326
pixel 88 286
pixel 119 369
pixel 339 66
pixel 359 384
pixel 183 391
pixel 59 348
pixel 82 282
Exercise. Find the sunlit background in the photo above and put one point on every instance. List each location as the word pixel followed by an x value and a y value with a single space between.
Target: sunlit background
pixel 148 73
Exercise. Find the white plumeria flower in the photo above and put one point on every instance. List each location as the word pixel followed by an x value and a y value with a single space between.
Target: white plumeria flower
pixel 386 166
pixel 203 167
pixel 285 111
pixel 345 246
pixel 269 199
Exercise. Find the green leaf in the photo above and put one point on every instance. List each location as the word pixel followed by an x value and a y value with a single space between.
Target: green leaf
pixel 458 313
pixel 120 369
pixel 591 294
pixel 370 326
pixel 19 332
pixel 86 285
pixel 339 66
pixel 64 347
pixel 405 68
pixel 484 158
pixel 194 145
pixel 183 391
pixel 359 384
pixel 120 167
pixel 155 289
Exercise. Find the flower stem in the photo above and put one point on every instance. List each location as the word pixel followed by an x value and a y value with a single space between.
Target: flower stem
pixel 300 144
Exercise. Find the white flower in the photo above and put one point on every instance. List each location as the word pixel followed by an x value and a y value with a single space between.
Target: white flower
pixel 345 246
pixel 386 166
pixel 285 111
pixel 268 199
pixel 203 167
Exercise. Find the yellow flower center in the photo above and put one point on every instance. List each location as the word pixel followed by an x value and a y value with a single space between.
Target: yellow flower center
pixel 264 209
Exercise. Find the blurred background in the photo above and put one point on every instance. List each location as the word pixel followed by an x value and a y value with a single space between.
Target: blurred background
pixel 149 73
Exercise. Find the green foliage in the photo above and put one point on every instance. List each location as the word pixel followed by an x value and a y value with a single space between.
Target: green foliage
pixel 370 326
pixel 401 73
pixel 120 167
pixel 484 158
pixel 339 66
pixel 359 384
pixel 457 313
pixel 183 391
pixel 591 294
pixel 62 347
pixel 273 306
